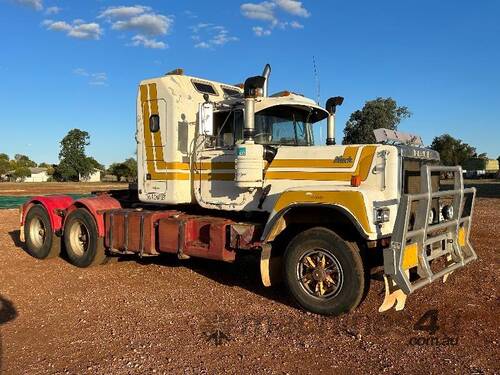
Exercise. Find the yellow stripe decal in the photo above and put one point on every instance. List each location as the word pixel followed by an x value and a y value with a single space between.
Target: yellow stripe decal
pixel 145 124
pixel 351 200
pixel 349 152
pixel 153 97
pixel 362 169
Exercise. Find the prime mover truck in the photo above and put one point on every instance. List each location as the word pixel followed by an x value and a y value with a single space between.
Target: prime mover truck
pixel 230 169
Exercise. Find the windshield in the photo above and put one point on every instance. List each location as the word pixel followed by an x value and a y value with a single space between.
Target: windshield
pixel 282 125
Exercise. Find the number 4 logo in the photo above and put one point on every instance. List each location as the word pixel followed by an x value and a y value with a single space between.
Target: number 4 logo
pixel 428 322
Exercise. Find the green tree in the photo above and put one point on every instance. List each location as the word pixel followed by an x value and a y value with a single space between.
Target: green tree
pixel 49 167
pixel 23 161
pixel 73 161
pixel 375 114
pixel 452 151
pixel 131 163
pixel 22 172
pixel 95 164
pixel 4 164
pixel 119 170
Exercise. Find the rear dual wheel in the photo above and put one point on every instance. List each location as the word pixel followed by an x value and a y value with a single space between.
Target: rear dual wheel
pixel 83 245
pixel 41 242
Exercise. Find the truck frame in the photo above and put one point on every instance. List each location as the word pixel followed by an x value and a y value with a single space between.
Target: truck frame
pixel 229 169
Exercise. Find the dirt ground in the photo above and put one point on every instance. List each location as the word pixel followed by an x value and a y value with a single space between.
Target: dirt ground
pixel 36 188
pixel 168 316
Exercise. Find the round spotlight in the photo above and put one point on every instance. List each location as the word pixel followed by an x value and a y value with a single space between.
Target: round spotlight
pixel 447 212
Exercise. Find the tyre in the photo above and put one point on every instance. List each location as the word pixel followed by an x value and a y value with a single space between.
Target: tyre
pixel 41 242
pixel 83 245
pixel 324 273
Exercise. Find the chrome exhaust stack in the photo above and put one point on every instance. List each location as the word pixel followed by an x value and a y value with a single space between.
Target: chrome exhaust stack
pixel 331 107
pixel 266 73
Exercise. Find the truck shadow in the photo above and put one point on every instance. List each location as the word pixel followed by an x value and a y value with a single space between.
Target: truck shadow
pixel 7 313
pixel 243 273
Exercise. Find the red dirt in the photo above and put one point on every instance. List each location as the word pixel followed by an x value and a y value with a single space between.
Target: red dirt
pixel 164 315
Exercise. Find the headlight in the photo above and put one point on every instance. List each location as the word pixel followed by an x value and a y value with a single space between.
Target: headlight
pixel 382 215
pixel 447 212
pixel 432 215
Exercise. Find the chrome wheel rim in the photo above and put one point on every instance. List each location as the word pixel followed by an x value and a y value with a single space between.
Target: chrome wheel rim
pixel 37 232
pixel 319 274
pixel 79 238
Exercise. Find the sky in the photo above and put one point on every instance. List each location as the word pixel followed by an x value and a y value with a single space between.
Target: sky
pixel 76 64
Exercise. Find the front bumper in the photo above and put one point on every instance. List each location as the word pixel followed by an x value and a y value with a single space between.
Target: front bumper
pixel 416 245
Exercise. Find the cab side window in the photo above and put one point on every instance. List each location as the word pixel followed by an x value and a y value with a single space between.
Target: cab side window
pixel 228 128
pixel 154 123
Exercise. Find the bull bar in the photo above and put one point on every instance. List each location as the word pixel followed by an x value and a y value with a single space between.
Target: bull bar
pixel 415 245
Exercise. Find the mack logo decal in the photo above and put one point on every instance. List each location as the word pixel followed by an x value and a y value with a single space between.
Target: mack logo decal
pixel 342 160
pixel 422 154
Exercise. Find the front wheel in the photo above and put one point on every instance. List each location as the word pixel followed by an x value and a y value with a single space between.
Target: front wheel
pixel 324 273
pixel 83 245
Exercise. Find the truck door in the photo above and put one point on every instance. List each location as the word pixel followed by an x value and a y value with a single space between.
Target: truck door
pixel 215 165
pixel 154 129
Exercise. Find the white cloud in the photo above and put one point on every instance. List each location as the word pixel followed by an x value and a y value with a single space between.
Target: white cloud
pixel 262 11
pixel 142 20
pixel 123 11
pixel 190 14
pixel 98 79
pixel 260 31
pixel 80 72
pixel 35 4
pixel 202 45
pixel 138 18
pixel 94 79
pixel 266 11
pixel 52 10
pixel 56 25
pixel 150 24
pixel 86 31
pixel 141 40
pixel 77 29
pixel 207 35
pixel 296 25
pixel 293 7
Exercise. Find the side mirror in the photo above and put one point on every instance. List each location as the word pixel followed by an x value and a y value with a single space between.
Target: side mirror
pixel 332 103
pixel 206 118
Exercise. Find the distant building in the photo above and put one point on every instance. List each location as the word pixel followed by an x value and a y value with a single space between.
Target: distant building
pixel 93 177
pixel 481 167
pixel 37 175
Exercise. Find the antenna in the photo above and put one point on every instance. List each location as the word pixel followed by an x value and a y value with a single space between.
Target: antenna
pixel 316 81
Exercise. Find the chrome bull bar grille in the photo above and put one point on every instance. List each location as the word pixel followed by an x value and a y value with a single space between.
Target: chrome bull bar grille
pixel 416 242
